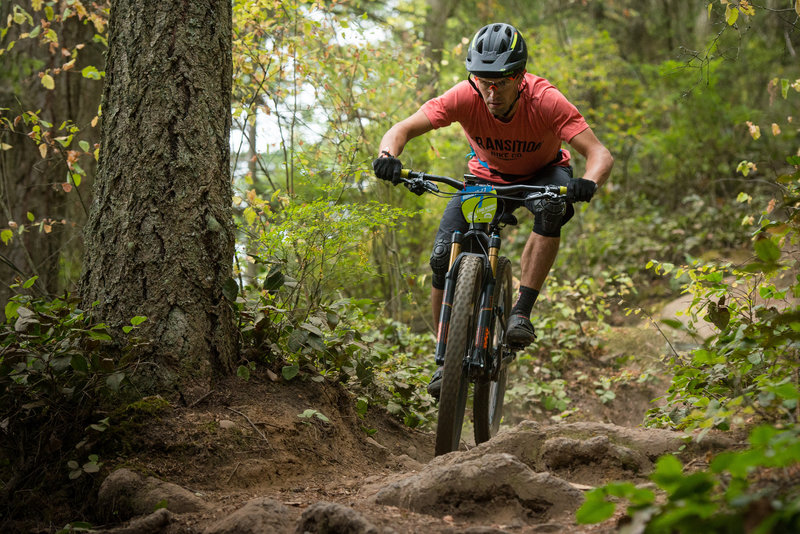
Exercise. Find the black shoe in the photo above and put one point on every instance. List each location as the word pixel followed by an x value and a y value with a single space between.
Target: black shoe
pixel 520 331
pixel 435 386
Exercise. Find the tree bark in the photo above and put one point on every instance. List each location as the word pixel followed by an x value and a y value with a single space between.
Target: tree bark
pixel 160 236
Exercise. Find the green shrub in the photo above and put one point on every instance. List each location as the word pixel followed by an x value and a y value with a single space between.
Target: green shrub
pixel 752 490
pixel 55 375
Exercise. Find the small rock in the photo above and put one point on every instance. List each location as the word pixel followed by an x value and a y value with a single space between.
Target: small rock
pixel 125 494
pixel 376 444
pixel 407 462
pixel 226 424
pixel 257 516
pixel 155 522
pixel 332 518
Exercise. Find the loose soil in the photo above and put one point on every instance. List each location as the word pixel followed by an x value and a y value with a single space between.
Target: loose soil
pixel 246 440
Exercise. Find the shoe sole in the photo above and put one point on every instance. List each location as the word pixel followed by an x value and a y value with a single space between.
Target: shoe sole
pixel 523 339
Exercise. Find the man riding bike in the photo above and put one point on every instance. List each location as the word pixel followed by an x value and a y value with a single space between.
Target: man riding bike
pixel 515 123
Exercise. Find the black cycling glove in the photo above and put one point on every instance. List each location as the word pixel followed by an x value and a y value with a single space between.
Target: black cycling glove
pixel 581 190
pixel 388 168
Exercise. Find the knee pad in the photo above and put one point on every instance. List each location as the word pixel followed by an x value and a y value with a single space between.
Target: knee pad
pixel 440 261
pixel 548 223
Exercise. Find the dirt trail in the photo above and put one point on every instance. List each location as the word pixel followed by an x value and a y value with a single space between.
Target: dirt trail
pixel 240 459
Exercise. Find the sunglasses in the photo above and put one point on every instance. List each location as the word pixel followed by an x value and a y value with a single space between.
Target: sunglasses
pixel 498 84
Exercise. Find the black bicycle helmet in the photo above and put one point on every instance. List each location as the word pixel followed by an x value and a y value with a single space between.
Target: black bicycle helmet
pixel 496 50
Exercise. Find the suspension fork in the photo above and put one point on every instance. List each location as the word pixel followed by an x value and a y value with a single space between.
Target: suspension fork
pixel 447 300
pixel 480 356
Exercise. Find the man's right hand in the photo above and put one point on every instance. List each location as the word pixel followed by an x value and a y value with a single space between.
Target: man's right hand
pixel 388 168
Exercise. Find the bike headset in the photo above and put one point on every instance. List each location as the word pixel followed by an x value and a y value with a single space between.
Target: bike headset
pixel 497 50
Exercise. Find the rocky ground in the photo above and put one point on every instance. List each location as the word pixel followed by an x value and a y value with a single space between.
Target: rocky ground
pixel 268 455
pixel 241 459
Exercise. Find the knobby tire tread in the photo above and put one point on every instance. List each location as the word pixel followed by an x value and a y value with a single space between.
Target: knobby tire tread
pixel 461 333
pixel 487 404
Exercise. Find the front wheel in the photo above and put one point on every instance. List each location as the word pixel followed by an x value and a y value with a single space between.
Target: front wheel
pixel 455 378
pixel 487 406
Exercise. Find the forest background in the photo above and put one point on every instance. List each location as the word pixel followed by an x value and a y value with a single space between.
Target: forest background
pixel 696 100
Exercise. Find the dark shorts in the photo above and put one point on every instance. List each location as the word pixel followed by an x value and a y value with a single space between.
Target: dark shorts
pixel 453 219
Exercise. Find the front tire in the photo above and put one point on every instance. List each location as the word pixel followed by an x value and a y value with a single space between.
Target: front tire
pixel 455 379
pixel 487 406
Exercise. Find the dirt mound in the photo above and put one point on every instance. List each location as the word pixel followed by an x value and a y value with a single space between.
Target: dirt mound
pixel 296 456
pixel 264 434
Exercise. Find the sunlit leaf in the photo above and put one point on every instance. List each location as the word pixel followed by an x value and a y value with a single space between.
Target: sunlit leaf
pixel 91 72
pixel 731 15
pixel 250 215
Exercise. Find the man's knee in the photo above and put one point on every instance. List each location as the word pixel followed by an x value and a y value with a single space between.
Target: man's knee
pixel 440 259
pixel 549 224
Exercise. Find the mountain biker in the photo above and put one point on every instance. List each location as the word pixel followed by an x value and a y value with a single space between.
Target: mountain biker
pixel 515 123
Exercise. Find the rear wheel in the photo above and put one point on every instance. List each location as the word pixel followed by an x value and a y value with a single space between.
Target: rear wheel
pixel 487 405
pixel 455 379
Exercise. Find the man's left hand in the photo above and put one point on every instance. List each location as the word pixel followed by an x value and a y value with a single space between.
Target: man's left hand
pixel 581 190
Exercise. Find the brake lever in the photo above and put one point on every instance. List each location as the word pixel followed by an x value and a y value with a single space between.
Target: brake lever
pixel 418 186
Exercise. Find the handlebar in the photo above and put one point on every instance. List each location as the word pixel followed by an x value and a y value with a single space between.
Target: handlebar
pixel 419 182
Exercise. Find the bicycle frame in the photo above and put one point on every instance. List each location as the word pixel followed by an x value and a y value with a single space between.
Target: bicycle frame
pixel 487 236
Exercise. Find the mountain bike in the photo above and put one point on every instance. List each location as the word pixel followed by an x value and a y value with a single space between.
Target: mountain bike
pixel 471 345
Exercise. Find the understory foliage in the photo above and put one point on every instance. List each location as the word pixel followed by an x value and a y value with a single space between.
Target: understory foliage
pixel 295 314
pixel 744 374
pixel 571 318
pixel 57 380
pixel 750 491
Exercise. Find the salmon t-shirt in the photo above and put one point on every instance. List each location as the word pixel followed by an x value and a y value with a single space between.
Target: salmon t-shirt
pixel 510 151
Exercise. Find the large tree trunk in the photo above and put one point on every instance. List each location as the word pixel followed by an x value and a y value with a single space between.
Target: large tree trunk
pixel 30 183
pixel 160 236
